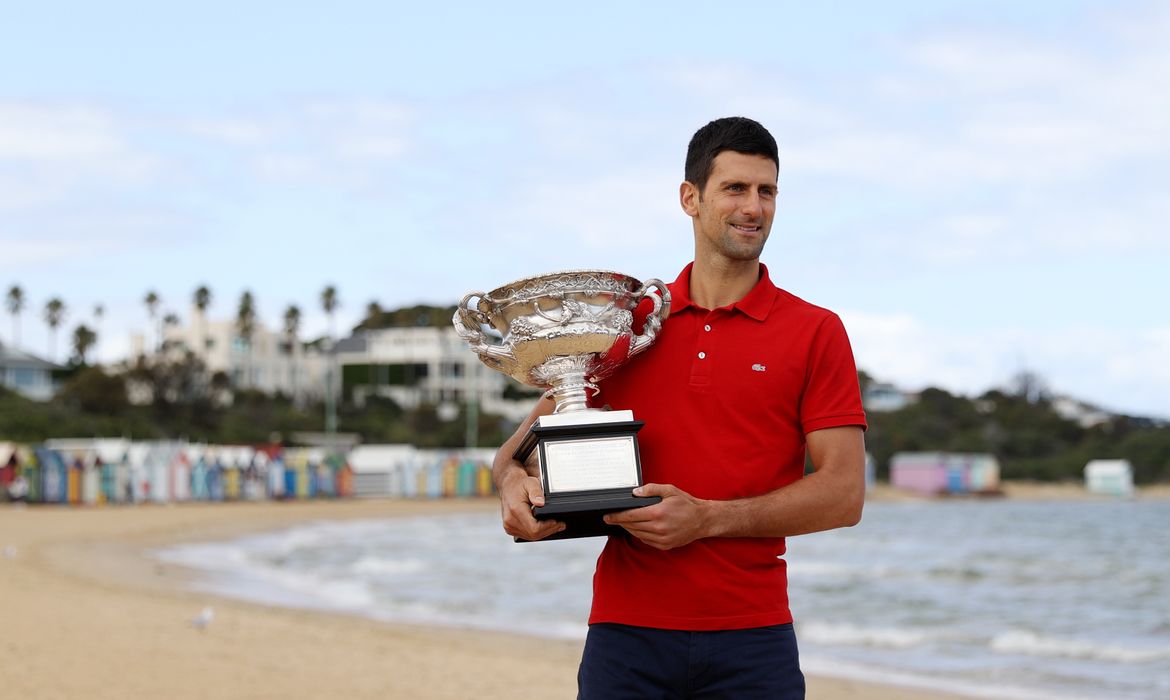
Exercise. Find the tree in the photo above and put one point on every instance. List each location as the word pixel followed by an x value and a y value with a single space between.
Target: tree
pixel 329 303
pixel 171 320
pixel 246 328
pixel 83 339
pixel 99 312
pixel 202 299
pixel 1030 386
pixel 152 301
pixel 15 303
pixel 292 325
pixel 54 316
pixel 373 315
pixel 93 391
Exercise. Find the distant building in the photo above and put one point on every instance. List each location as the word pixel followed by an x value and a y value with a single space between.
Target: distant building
pixel 26 374
pixel 1085 415
pixel 268 363
pixel 411 365
pixel 882 397
pixel 424 364
pixel 1109 477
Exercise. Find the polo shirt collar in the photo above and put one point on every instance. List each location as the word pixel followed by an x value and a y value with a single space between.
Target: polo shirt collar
pixel 755 305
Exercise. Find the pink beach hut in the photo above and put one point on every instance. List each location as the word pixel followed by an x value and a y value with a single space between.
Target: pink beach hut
pixel 919 472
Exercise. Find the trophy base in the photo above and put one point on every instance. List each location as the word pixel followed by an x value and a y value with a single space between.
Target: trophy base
pixel 589 465
pixel 582 514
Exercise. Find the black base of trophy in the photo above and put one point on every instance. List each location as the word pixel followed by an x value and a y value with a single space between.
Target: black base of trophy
pixel 583 511
pixel 584 518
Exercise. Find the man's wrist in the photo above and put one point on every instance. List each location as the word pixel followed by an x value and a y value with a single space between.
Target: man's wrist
pixel 511 470
pixel 714 516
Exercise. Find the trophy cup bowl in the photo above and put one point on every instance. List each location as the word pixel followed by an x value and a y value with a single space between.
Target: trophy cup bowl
pixel 563 332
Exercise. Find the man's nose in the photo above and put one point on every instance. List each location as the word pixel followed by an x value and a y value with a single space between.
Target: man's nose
pixel 753 205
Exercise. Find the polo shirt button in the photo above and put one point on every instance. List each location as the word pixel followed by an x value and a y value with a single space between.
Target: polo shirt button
pixel 702 355
pixel 707 327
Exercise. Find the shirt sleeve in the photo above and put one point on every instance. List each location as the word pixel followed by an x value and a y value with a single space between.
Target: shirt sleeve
pixel 832 393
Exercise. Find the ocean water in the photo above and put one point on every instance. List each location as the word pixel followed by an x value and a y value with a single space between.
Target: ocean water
pixel 997 599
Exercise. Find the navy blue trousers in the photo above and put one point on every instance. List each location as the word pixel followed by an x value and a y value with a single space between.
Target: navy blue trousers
pixel 638 663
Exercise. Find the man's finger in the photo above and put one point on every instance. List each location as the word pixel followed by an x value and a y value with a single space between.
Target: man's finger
pixel 655 490
pixel 534 490
pixel 633 515
pixel 543 529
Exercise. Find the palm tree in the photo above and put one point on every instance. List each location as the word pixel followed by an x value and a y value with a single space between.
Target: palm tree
pixel 15 303
pixel 152 301
pixel 329 303
pixel 171 320
pixel 83 340
pixel 99 312
pixel 202 300
pixel 373 315
pixel 292 324
pixel 246 327
pixel 54 317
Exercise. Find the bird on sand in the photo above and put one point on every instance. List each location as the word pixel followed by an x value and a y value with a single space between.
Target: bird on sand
pixel 203 619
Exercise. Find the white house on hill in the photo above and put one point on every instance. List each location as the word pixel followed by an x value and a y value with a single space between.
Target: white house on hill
pixel 26 374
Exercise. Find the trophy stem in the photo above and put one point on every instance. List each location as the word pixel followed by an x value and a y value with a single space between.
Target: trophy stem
pixel 569 390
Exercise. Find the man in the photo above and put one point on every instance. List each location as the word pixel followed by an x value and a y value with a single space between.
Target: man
pixel 744 381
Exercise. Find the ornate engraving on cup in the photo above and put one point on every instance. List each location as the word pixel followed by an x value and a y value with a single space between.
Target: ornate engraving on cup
pixel 561 331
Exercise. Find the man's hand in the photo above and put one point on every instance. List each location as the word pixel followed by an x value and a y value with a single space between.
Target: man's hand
pixel 677 520
pixel 518 494
pixel 518 487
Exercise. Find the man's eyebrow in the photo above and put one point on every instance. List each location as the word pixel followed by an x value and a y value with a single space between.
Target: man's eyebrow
pixel 740 181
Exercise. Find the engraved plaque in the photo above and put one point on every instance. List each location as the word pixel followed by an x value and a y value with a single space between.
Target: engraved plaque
pixel 580 465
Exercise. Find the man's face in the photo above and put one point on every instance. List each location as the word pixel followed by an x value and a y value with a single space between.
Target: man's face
pixel 733 214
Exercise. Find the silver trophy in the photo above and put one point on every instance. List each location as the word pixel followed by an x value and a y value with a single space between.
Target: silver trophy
pixel 563 332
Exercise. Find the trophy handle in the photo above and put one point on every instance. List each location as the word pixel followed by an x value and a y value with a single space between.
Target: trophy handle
pixel 657 315
pixel 467 321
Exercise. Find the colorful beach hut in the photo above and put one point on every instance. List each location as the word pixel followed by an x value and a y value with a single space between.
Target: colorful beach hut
pixel 378 470
pixel 8 466
pixel 199 456
pixel 1110 477
pixel 9 469
pixel 52 482
pixel 275 475
pixel 936 473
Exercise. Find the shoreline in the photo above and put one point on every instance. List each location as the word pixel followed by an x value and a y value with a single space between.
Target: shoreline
pixel 80 584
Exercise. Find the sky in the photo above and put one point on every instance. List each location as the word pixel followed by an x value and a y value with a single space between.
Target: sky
pixel 977 188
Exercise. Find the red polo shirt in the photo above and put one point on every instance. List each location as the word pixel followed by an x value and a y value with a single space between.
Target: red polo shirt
pixel 727 396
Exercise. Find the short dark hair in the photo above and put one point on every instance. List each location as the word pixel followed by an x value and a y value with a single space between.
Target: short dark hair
pixel 738 134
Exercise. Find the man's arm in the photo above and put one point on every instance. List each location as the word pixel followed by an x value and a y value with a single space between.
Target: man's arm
pixel 831 497
pixel 520 490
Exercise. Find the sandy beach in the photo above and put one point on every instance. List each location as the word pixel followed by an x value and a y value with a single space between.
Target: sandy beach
pixel 86 612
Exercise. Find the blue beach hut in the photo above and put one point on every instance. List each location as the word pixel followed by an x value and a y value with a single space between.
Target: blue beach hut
pixel 53 476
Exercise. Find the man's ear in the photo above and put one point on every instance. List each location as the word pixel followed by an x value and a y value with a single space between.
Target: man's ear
pixel 688 197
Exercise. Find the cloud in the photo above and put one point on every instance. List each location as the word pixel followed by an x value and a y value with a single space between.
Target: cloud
pixel 46 133
pixel 343 144
pixel 50 152
pixel 1118 369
